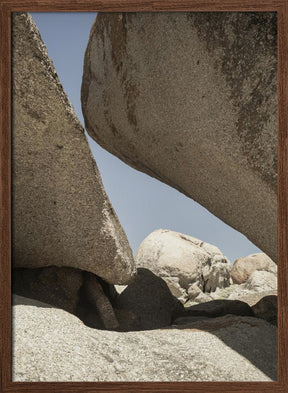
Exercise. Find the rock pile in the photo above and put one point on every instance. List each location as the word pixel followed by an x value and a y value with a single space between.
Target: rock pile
pixel 189 266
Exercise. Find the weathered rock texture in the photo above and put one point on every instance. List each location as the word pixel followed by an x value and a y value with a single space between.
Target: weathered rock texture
pixel 245 266
pixel 260 281
pixel 52 345
pixel 188 265
pixel 191 99
pixel 61 213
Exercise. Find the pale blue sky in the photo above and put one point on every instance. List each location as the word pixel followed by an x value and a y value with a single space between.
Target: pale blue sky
pixel 142 203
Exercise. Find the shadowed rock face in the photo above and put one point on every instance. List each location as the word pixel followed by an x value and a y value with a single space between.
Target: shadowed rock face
pixel 191 99
pixel 61 213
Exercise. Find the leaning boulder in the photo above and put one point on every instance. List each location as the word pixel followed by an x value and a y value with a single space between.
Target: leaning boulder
pixel 191 99
pixel 60 211
pixel 188 265
pixel 245 266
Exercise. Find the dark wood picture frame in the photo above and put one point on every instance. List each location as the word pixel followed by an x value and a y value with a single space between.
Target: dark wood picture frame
pixel 9 6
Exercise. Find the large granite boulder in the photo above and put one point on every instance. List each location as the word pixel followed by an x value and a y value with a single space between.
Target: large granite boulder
pixel 243 267
pixel 61 214
pixel 52 345
pixel 188 265
pixel 191 99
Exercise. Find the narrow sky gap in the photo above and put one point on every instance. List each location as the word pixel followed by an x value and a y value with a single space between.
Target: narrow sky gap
pixel 142 203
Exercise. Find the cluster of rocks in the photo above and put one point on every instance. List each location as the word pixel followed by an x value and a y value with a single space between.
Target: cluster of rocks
pixel 70 253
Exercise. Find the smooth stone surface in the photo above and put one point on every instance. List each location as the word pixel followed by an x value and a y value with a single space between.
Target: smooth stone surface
pixel 182 261
pixel 191 99
pixel 245 266
pixel 53 345
pixel 60 211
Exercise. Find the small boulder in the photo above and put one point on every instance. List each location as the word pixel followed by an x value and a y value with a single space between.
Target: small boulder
pixel 148 301
pixel 245 266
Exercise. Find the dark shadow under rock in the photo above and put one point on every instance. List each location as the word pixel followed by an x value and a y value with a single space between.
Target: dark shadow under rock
pixel 266 309
pixel 83 294
pixel 147 303
pixel 218 308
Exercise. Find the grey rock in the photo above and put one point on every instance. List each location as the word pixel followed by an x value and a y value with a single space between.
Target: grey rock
pixel 56 286
pixel 52 345
pixel 191 99
pixel 60 211
pixel 149 302
pixel 80 293
pixel 182 261
pixel 245 266
pixel 218 308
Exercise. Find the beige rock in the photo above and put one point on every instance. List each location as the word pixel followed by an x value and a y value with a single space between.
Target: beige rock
pixel 245 266
pixel 202 298
pixel 255 297
pixel 61 213
pixel 193 291
pixel 176 290
pixel 53 345
pixel 260 281
pixel 183 260
pixel 191 99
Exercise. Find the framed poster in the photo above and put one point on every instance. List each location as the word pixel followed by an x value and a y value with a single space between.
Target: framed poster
pixel 109 83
